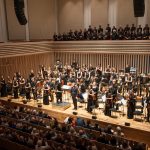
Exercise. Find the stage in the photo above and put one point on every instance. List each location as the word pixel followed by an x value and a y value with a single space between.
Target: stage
pixel 139 131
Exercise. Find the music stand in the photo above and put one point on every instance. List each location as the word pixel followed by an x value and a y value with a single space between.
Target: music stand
pixel 66 88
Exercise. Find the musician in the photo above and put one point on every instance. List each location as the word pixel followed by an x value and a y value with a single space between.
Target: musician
pixel 87 79
pixel 127 68
pixel 99 71
pixel 31 75
pixel 46 95
pixel 74 94
pixel 58 94
pixel 9 85
pixel 113 90
pixel 95 92
pixel 28 91
pixel 148 108
pixel 15 89
pixel 108 104
pixel 79 74
pixel 3 87
pixel 22 87
pixel 129 82
pixel 74 64
pixel 91 100
pixel 82 89
pixel 34 88
pixel 131 105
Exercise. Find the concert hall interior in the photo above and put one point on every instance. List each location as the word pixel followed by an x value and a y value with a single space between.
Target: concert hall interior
pixel 75 74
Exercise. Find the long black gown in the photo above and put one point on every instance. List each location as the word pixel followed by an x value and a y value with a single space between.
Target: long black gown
pixel 15 90
pixel 131 107
pixel 3 88
pixel 46 96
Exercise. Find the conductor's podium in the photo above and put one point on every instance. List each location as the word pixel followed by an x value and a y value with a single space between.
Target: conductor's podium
pixel 61 106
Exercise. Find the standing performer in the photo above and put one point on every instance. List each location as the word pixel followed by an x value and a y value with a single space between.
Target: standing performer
pixel 3 87
pixel 28 91
pixel 46 95
pixel 108 104
pixel 15 89
pixel 9 86
pixel 74 94
pixel 148 108
pixel 22 87
pixel 95 92
pixel 131 105
pixel 59 94
pixel 90 100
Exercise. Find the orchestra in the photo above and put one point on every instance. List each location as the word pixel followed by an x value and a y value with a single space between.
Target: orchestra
pixel 83 81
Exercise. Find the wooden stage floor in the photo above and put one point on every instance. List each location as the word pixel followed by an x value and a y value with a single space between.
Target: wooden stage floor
pixel 136 127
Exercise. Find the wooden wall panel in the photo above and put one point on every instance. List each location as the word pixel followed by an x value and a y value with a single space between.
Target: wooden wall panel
pixel 24 64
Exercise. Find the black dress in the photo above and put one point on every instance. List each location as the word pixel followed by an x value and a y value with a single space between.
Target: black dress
pixel 28 92
pixel 15 90
pixel 9 87
pixel 90 102
pixel 3 88
pixel 131 107
pixel 46 96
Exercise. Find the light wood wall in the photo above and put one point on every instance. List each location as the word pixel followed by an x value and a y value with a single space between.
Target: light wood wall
pixel 24 64
pixel 70 15
pixel 99 13
pixel 125 13
pixel 41 18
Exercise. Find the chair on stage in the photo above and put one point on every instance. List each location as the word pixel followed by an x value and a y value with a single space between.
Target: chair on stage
pixel 101 102
pixel 83 100
pixel 139 109
pixel 115 110
pixel 138 112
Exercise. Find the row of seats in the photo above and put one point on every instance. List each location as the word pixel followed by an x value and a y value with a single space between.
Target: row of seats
pixel 102 138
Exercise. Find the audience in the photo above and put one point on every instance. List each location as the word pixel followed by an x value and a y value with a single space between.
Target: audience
pixel 72 133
